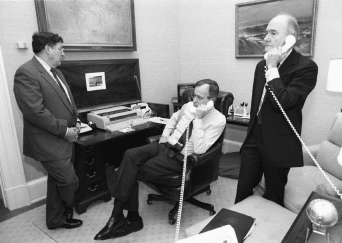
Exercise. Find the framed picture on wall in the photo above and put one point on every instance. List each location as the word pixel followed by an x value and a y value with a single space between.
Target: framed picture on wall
pixel 106 25
pixel 252 18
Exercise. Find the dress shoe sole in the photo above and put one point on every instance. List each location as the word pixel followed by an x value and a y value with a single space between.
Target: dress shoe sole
pixel 67 226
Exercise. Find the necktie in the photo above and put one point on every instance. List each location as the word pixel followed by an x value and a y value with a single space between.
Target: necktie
pixel 172 151
pixel 58 82
pixel 182 139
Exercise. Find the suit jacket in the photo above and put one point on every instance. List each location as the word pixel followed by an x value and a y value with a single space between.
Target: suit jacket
pixel 298 76
pixel 47 112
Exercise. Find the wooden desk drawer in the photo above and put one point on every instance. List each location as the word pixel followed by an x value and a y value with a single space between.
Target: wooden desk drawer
pixel 84 151
pixel 90 175
pixel 92 189
pixel 89 161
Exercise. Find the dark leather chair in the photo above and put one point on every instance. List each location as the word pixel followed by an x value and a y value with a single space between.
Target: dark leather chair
pixel 200 172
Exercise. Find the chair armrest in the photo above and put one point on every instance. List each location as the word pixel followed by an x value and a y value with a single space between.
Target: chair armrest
pixel 153 139
pixel 197 159
pixel 306 157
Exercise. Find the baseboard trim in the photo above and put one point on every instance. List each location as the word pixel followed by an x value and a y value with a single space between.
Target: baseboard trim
pixel 230 146
pixel 37 189
pixel 16 197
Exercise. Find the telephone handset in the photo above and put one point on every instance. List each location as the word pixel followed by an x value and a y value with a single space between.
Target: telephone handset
pixel 210 105
pixel 289 43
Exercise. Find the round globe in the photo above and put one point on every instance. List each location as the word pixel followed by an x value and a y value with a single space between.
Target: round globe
pixel 322 213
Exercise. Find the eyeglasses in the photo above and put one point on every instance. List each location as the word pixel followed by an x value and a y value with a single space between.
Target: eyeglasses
pixel 61 49
pixel 199 98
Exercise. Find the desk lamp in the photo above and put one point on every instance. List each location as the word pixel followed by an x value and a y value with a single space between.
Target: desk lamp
pixel 322 213
pixel 334 82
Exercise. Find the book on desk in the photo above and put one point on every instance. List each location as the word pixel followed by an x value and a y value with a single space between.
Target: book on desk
pixel 241 223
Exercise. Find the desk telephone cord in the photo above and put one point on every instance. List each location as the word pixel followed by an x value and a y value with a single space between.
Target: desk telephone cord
pixel 185 160
pixel 181 196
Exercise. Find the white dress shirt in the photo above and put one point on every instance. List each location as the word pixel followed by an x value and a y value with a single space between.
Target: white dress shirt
pixel 205 131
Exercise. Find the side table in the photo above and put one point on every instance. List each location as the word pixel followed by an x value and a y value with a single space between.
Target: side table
pixel 297 231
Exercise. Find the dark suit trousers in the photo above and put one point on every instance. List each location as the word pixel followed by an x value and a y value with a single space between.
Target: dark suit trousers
pixel 255 163
pixel 145 163
pixel 62 184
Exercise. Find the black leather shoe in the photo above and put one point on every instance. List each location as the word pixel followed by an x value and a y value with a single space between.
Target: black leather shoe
pixel 130 227
pixel 69 224
pixel 109 231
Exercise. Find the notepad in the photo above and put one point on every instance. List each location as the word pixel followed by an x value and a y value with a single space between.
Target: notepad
pixel 85 128
pixel 241 223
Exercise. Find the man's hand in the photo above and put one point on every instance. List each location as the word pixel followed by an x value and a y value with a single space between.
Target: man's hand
pixel 274 57
pixel 78 126
pixel 200 111
pixel 72 134
pixel 163 139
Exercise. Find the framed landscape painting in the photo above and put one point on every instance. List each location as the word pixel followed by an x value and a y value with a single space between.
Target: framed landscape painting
pixel 252 18
pixel 89 25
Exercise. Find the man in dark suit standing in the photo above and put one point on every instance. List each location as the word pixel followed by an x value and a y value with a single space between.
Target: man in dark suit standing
pixel 51 125
pixel 271 147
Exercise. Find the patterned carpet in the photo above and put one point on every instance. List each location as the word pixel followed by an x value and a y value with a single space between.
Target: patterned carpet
pixel 30 226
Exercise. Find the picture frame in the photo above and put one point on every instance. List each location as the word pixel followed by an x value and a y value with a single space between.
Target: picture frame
pixel 89 26
pixel 252 18
pixel 95 81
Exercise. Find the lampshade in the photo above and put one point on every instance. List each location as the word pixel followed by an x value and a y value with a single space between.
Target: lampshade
pixel 334 82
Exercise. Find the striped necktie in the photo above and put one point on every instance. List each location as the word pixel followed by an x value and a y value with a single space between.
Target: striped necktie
pixel 53 71
pixel 172 151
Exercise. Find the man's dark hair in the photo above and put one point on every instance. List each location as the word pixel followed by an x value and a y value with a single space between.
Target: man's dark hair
pixel 41 39
pixel 213 86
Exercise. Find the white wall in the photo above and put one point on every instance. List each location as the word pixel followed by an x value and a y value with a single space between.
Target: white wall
pixel 157 33
pixel 184 41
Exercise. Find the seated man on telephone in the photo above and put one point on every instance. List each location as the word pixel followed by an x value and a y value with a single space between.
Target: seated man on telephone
pixel 151 161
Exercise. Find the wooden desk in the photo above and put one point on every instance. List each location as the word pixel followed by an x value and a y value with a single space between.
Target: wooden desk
pixel 237 120
pixel 94 152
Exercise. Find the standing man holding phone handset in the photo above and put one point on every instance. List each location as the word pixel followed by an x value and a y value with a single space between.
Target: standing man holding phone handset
pixel 271 148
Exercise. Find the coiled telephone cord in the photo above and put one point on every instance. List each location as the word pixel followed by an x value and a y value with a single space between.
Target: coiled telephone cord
pixel 181 196
pixel 302 142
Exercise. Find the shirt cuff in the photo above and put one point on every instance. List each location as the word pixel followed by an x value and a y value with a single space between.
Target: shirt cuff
pixel 272 74
pixel 66 133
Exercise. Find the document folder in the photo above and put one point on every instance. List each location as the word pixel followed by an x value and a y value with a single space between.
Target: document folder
pixel 241 223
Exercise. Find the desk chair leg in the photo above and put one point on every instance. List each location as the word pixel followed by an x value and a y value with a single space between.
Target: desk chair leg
pixel 191 200
pixel 172 213
pixel 206 206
